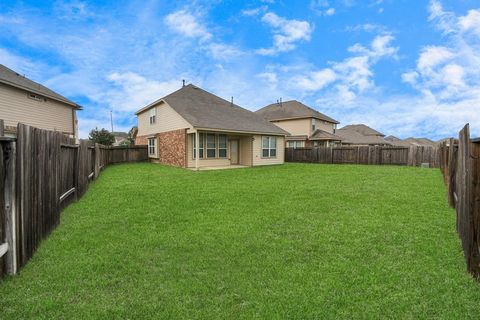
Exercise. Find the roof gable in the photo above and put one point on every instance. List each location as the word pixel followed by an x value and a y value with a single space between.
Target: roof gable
pixel 12 78
pixel 292 109
pixel 205 110
pixel 364 130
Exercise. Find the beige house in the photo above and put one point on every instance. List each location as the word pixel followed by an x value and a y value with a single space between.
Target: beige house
pixel 192 121
pixel 23 100
pixel 307 127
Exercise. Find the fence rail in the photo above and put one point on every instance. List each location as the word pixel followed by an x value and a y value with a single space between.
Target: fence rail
pixel 374 155
pixel 460 165
pixel 41 172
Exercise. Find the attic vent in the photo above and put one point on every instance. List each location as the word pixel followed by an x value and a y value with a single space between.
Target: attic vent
pixel 34 97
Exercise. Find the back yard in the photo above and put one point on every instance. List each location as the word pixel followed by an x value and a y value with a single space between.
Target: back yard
pixel 291 241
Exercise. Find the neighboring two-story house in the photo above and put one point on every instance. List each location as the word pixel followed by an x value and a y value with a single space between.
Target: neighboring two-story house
pixel 25 101
pixel 307 127
pixel 192 121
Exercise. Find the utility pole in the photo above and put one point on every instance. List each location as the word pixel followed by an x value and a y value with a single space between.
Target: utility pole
pixel 111 119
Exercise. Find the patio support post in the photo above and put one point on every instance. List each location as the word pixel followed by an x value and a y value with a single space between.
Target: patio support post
pixel 197 148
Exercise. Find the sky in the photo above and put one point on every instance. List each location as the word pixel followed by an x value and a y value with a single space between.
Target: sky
pixel 404 67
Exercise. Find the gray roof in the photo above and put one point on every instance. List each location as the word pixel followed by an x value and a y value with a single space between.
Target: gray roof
pixel 422 142
pixel 324 135
pixel 12 78
pixel 203 109
pixel 363 129
pixel 291 110
pixel 350 136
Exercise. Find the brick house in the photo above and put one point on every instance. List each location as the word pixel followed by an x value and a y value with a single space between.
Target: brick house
pixel 192 121
pixel 307 127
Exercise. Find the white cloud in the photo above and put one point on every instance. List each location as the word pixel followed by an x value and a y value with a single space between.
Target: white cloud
pixel 187 24
pixel 330 12
pixel 286 33
pixel 254 11
pixel 470 22
pixel 136 91
pixel 316 80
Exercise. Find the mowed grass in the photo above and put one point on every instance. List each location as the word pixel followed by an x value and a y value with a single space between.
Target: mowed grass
pixel 291 241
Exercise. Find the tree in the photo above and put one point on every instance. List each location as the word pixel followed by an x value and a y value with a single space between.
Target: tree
pixel 101 136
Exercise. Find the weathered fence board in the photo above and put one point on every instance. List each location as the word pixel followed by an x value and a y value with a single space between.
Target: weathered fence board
pixel 460 164
pixel 41 172
pixel 413 156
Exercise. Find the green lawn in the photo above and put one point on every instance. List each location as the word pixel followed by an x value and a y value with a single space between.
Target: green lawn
pixel 291 241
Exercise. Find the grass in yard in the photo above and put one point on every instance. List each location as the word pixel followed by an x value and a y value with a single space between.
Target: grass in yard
pixel 291 241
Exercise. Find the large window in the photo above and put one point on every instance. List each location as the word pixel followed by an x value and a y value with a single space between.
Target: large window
pixel 153 115
pixel 269 147
pixel 215 145
pixel 211 145
pixel 152 146
pixel 222 146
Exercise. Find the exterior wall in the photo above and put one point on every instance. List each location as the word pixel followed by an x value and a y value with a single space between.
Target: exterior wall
pixel 258 160
pixel 171 147
pixel 296 127
pixel 143 140
pixel 167 119
pixel 15 107
pixel 301 127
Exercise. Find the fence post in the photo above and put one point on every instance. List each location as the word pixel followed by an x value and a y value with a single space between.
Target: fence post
pixel 76 171
pixel 10 207
pixel 97 161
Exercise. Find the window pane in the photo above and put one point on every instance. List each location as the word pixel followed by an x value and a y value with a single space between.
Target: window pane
pixel 211 153
pixel 200 152
pixel 265 142
pixel 273 142
pixel 202 139
pixel 222 141
pixel 222 153
pixel 211 141
pixel 273 152
pixel 265 153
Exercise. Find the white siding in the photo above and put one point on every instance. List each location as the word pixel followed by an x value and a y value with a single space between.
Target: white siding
pixel 15 107
pixel 167 119
pixel 258 160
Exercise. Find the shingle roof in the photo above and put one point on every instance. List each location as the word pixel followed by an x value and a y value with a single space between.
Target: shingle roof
pixel 350 136
pixel 422 142
pixel 398 142
pixel 291 110
pixel 10 77
pixel 324 135
pixel 203 109
pixel 363 129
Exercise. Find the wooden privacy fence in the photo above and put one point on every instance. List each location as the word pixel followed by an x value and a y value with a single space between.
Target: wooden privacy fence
pixel 460 165
pixel 411 156
pixel 41 172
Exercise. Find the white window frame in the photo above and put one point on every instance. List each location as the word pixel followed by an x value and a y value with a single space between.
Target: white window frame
pixel 222 149
pixel 272 147
pixel 215 144
pixel 152 147
pixel 153 115
pixel 201 149
pixel 314 124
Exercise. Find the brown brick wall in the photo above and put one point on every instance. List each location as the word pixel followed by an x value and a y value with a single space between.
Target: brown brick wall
pixel 171 147
pixel 143 140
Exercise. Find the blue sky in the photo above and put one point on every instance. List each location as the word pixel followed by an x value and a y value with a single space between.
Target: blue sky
pixel 407 68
